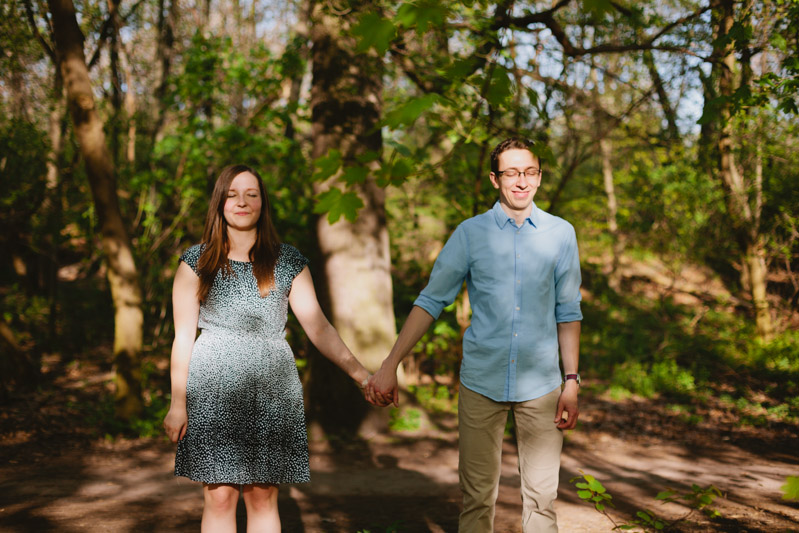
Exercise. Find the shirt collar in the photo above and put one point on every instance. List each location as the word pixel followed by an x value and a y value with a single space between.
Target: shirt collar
pixel 502 218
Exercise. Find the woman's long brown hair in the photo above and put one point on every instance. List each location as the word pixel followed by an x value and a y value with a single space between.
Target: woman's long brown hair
pixel 264 252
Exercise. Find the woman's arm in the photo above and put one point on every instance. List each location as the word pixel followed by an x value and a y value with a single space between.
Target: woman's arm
pixel 185 312
pixel 323 335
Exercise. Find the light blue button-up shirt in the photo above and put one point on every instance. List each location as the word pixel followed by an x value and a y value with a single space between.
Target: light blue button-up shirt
pixel 522 282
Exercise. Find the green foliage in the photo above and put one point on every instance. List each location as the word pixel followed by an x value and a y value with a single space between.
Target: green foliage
pixel 404 419
pixel 336 203
pixel 422 16
pixel 373 31
pixel 790 490
pixel 434 398
pixel 591 490
pixel 407 113
pixel 649 380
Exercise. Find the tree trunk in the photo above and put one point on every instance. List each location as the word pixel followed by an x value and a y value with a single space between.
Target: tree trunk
pixel 123 277
pixel 52 205
pixel 17 367
pixel 614 278
pixel 745 221
pixel 663 97
pixel 346 106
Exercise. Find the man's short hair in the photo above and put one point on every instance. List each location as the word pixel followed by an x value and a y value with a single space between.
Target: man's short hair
pixel 513 143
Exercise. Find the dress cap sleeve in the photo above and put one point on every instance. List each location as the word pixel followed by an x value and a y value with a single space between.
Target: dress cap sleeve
pixel 192 255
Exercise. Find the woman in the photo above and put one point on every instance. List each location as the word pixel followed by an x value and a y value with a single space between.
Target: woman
pixel 237 409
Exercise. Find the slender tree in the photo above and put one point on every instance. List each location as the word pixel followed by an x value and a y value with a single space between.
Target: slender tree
pixel 123 277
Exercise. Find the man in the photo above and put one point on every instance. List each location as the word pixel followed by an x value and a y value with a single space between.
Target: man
pixel 522 272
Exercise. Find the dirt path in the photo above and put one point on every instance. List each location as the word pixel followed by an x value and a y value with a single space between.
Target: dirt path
pixel 53 482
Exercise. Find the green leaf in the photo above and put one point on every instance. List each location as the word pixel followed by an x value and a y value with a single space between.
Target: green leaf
pixel 374 31
pixel 399 171
pixel 354 175
pixel 407 113
pixel 779 42
pixel 665 495
pixel 581 485
pixel 407 15
pixel 422 15
pixel 600 507
pixel 336 203
pixel 327 165
pixel 597 8
pixel 368 156
pixel 584 494
pixel 501 87
pixel 461 68
pixel 790 491
pixel 596 486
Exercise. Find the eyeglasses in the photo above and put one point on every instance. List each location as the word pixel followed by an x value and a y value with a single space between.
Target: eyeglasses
pixel 513 173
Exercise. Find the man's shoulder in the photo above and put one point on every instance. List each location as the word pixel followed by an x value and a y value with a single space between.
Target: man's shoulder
pixel 478 222
pixel 553 222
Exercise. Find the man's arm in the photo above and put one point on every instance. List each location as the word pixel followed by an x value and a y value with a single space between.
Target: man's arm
pixel 569 342
pixel 382 386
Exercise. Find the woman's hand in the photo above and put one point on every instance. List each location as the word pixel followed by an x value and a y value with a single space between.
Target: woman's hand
pixel 175 423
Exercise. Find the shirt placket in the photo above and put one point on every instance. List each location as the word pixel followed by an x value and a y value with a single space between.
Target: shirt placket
pixel 510 385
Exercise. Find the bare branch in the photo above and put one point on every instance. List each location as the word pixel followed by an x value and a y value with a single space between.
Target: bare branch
pixel 32 21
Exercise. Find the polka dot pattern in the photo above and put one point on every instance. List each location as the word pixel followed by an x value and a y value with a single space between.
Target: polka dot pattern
pixel 244 396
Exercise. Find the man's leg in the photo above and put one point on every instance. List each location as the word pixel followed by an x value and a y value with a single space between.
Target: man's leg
pixel 540 443
pixel 481 424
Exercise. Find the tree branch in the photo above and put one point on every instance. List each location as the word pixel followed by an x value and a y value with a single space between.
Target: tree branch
pixel 32 21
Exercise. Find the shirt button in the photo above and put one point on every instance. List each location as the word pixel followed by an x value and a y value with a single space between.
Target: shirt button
pixel 515 334
pixel 518 281
pixel 518 255
pixel 518 308
pixel 513 360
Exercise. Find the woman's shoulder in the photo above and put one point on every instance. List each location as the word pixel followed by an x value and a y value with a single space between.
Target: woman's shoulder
pixel 290 257
pixel 192 255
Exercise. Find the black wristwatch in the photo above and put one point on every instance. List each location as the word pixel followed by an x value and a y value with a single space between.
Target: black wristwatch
pixel 575 377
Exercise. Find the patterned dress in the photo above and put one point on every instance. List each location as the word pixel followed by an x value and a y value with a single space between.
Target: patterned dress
pixel 243 396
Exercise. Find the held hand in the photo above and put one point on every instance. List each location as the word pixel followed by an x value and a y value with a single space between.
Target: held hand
pixel 175 423
pixel 568 404
pixel 383 386
pixel 367 393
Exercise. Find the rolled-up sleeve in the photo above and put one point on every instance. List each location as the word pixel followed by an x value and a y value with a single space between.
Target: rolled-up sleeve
pixel 449 272
pixel 567 281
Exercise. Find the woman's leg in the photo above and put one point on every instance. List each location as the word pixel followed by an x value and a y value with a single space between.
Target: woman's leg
pixel 261 503
pixel 219 512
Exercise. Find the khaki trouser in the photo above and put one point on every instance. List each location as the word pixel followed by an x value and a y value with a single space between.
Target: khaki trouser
pixel 481 428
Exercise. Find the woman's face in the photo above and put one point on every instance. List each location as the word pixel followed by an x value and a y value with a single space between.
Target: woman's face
pixel 243 203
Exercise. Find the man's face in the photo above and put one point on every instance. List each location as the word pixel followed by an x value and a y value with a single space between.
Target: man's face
pixel 516 192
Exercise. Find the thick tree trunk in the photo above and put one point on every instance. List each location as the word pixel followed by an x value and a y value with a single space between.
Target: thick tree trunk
pixel 123 277
pixel 346 106
pixel 745 220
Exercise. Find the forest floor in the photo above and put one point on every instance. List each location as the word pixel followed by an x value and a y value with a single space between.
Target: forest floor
pixel 60 472
pixel 57 474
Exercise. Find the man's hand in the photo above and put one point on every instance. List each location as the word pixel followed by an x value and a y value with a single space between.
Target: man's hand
pixel 382 387
pixel 568 404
